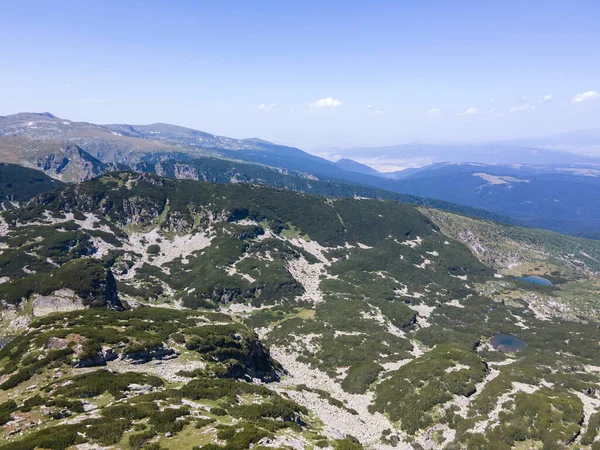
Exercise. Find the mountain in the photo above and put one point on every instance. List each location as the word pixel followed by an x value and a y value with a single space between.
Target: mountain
pixel 131 144
pixel 100 142
pixel 72 151
pixel 19 184
pixel 66 161
pixel 185 136
pixel 148 145
pixel 61 160
pixel 504 152
pixel 560 198
pixel 580 141
pixel 353 166
pixel 147 311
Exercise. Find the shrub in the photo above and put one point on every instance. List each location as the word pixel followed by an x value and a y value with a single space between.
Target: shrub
pixel 153 249
pixel 178 338
pixel 360 377
pixel 131 412
pixel 278 408
pixel 592 429
pixel 226 433
pixel 107 433
pixel 348 443
pixel 166 420
pixel 137 441
pixel 55 438
pixel 6 409
pixel 32 402
pixel 95 383
pixel 218 411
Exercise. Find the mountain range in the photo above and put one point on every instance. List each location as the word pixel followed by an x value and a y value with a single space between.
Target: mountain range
pixel 517 182
pixel 575 147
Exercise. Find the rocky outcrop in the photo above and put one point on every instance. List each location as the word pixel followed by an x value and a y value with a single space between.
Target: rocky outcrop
pixel 185 172
pixel 62 300
pixel 98 360
pixel 159 352
pixel 140 210
pixel 92 361
pixel 253 361
pixel 58 159
pixel 259 364
pixel 111 295
pixel 53 163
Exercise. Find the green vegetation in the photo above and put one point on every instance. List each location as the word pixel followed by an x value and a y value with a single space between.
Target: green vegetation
pixel 360 377
pixel 101 381
pixel 592 429
pixel 138 401
pixel 20 184
pixel 373 294
pixel 412 392
pixel 89 279
pixel 6 410
pixel 542 416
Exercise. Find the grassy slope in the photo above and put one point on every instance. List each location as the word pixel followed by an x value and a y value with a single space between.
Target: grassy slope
pixel 572 264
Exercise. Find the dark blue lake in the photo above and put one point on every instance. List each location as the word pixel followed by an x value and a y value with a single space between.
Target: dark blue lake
pixel 507 343
pixel 536 280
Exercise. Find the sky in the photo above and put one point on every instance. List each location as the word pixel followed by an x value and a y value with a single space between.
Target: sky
pixel 318 75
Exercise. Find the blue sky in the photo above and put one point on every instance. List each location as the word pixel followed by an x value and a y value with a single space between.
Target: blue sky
pixel 312 74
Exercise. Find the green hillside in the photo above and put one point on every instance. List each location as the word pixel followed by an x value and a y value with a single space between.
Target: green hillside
pixel 181 314
pixel 19 184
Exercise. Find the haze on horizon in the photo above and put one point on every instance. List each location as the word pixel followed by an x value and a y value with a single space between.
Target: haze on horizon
pixel 313 75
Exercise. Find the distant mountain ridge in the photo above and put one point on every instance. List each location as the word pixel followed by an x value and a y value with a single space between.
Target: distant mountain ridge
pixel 583 141
pixel 75 151
pixel 560 198
pixel 503 152
pixel 352 166
pixel 62 160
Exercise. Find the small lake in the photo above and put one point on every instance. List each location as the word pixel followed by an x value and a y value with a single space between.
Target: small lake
pixel 507 343
pixel 536 280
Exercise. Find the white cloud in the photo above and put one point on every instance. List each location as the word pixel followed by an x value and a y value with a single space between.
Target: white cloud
pixel 326 103
pixel 469 112
pixel 372 110
pixel 435 112
pixel 589 95
pixel 525 107
pixel 491 100
pixel 384 163
pixel 547 98
pixel 67 85
pixel 492 110
pixel 267 107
